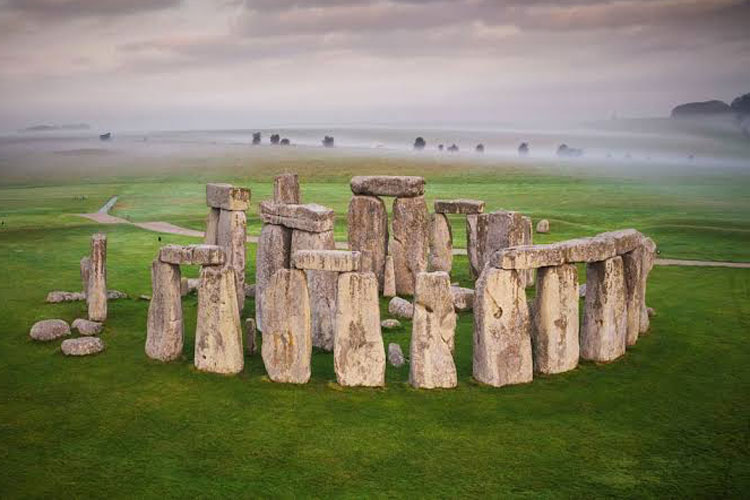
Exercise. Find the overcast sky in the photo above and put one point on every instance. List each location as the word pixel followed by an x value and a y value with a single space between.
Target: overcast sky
pixel 166 64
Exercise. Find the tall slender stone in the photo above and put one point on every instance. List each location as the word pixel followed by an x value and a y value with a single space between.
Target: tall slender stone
pixel 389 278
pixel 432 338
pixel 554 320
pixel 232 236
pixel 603 334
pixel 649 255
pixel 273 253
pixel 368 233
pixel 164 330
pixel 287 336
pixel 218 332
pixel 502 338
pixel 322 286
pixel 85 273
pixel 96 294
pixel 476 225
pixel 632 263
pixel 441 243
pixel 212 226
pixel 286 189
pixel 528 239
pixel 410 244
pixel 358 352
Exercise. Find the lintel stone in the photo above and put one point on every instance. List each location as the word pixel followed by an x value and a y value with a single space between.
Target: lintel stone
pixel 227 197
pixel 326 260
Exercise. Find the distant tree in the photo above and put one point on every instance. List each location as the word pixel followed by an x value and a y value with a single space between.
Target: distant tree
pixel 479 148
pixel 741 104
pixel 523 149
pixel 275 138
pixel 419 144
pixel 453 148
pixel 328 141
pixel 565 151
pixel 256 138
pixel 284 142
pixel 440 147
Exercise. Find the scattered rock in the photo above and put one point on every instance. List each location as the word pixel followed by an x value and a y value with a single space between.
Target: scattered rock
pixel 401 308
pixel 82 346
pixel 651 312
pixel 463 298
pixel 49 329
pixel 58 296
pixel 115 294
pixel 86 327
pixel 249 290
pixel 542 226
pixel 390 324
pixel 395 355
pixel 144 297
pixel 582 290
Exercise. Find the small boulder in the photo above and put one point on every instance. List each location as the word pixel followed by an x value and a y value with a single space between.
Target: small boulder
pixel 49 329
pixel 144 297
pixel 116 294
pixel 401 308
pixel 390 324
pixel 542 227
pixel 650 311
pixel 582 290
pixel 58 296
pixel 395 355
pixel 87 327
pixel 82 346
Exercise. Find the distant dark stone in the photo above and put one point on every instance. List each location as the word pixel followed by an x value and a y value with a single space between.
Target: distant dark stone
pixel 256 138
pixel 328 141
pixel 275 138
pixel 419 143
pixel 453 148
pixel 704 108
pixel 479 148
pixel 523 149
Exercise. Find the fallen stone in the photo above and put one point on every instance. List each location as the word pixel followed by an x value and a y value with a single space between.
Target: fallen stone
pixel 310 217
pixel 212 226
pixel 340 261
pixel 389 278
pixel 164 327
pixel 388 185
pixel 144 297
pixel 432 339
pixel 542 227
pixel 411 241
pixel 273 253
pixel 396 355
pixel 232 237
pixel 115 294
pixel 227 197
pixel 49 329
pixel 286 189
pixel 203 255
pixel 582 291
pixel 287 332
pixel 463 298
pixel 390 324
pixel 86 327
pixel 358 351
pixel 96 294
pixel 368 233
pixel 57 296
pixel 251 337
pixel 441 244
pixel 401 308
pixel 82 346
pixel 604 330
pixel 461 206
pixel 249 290
pixel 189 285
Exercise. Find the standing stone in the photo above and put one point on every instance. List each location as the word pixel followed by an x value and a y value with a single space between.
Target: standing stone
pixel 542 227
pixel 432 338
pixel 502 338
pixel 441 243
pixel 218 334
pixel 287 336
pixel 212 226
pixel 603 334
pixel 96 294
pixel 286 189
pixel 411 240
pixel 273 253
pixel 463 298
pixel 164 330
pixel 368 233
pixel 475 228
pixel 358 350
pixel 528 239
pixel 554 320
pixel 232 236
pixel 85 273
pixel 322 286
pixel 649 255
pixel 251 337
pixel 389 278
pixel 504 229
pixel 396 355
pixel 632 264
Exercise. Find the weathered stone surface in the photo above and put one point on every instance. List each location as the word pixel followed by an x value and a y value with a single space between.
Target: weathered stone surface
pixel 401 308
pixel 528 239
pixel 49 329
pixel 218 334
pixel 250 290
pixel 432 338
pixel 649 256
pixel 232 237
pixel 527 257
pixel 503 229
pixel 116 294
pixel 395 355
pixel 441 243
pixel 389 278
pixel 322 286
pixel 632 263
pixel 625 240
pixel 164 329
pixel 204 255
pixel 212 226
pixel 57 296
pixel 554 320
pixel 286 189
pixel 96 294
pixel 227 197
pixel 358 352
pixel 85 273
pixel 502 336
pixel 86 327
pixel 411 241
pixel 463 298
pixel 651 312
pixel 340 261
pixel 82 346
pixel 603 334
pixel 189 285
pixel 273 253
pixel 582 291
pixel 593 249
pixel 251 337
pixel 542 227
pixel 390 324
pixel 310 217
pixel 460 206
pixel 144 297
pixel 401 186
pixel 475 229
pixel 287 333
pixel 368 233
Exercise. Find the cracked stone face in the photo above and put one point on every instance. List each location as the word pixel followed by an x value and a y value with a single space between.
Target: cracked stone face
pixel 604 330
pixel 410 244
pixel 368 233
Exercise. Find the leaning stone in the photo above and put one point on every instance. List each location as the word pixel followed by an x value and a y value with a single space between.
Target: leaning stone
pixel 401 308
pixel 227 197
pixel 649 255
pixel 203 255
pixel 232 237
pixel 368 233
pixel 218 334
pixel 395 355
pixel 594 249
pixel 401 186
pixel 96 294
pixel 273 252
pixel 465 207
pixel 554 331
pixel 441 243
pixel 632 263
pixel 322 286
pixel 86 327
pixel 390 324
pixel 57 296
pixel 164 328
pixel 603 334
pixel 358 351
pixel 431 362
pixel 82 346
pixel 340 261
pixel 286 189
pixel 542 227
pixel 502 337
pixel 49 329
pixel 85 273
pixel 212 226
pixel 310 217
pixel 411 241
pixel 463 298
pixel 527 257
pixel 251 337
pixel 389 278
pixel 287 336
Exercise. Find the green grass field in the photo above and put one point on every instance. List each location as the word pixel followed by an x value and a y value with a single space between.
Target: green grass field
pixel 671 418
